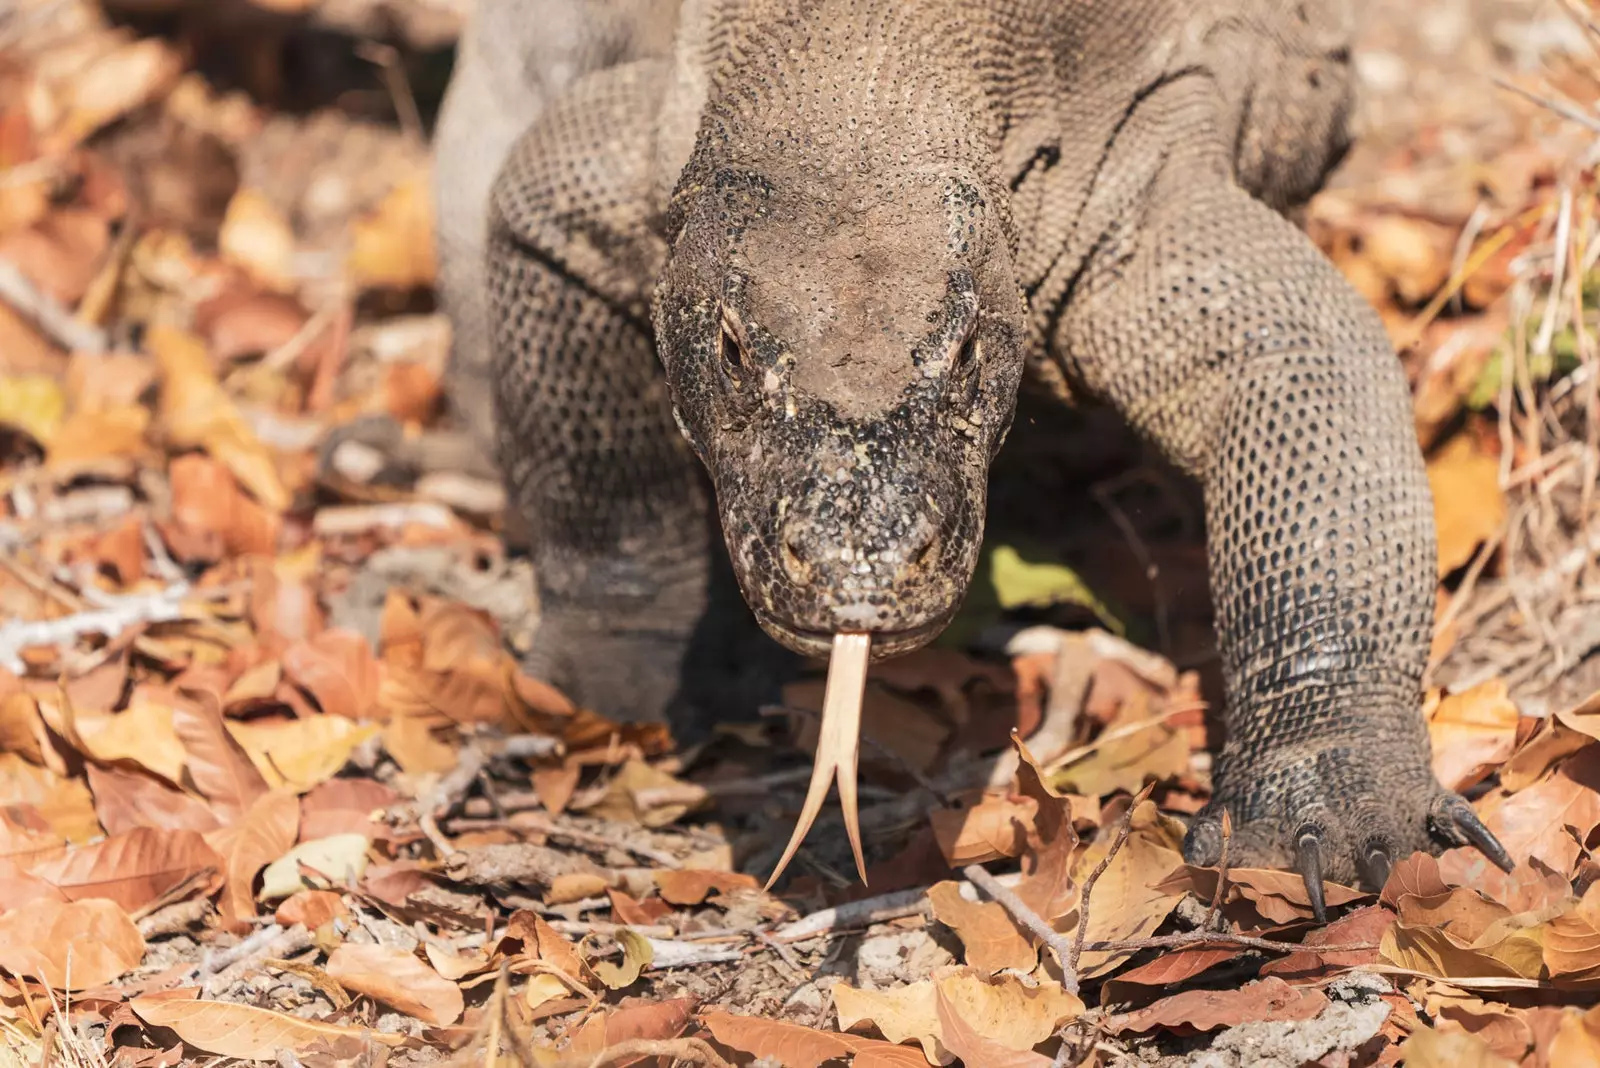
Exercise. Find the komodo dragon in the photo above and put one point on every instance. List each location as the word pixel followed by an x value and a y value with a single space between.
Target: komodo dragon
pixel 847 230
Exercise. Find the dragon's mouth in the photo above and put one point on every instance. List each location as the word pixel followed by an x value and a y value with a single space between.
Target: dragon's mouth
pixel 885 643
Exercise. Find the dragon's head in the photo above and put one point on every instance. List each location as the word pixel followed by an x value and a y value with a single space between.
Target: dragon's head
pixel 843 354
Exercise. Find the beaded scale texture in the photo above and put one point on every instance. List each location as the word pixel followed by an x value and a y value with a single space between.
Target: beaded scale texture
pixel 756 286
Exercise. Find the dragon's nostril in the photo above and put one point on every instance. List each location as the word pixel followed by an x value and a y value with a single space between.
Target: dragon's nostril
pixel 796 561
pixel 921 555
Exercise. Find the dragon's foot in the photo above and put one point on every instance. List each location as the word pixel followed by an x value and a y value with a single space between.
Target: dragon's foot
pixel 1341 813
pixel 689 679
pixel 630 677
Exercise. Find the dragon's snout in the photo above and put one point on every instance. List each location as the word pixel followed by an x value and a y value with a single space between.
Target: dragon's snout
pixel 812 555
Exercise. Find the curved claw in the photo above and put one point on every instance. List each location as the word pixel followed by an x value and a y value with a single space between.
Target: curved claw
pixel 1468 823
pixel 1375 868
pixel 1309 861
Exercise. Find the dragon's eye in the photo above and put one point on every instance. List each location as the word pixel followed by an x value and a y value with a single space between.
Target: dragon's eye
pixel 730 352
pixel 966 356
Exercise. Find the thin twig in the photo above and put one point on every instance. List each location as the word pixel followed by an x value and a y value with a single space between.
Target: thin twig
pixel 1124 829
pixel 1559 107
pixel 120 614
pixel 1023 914
pixel 58 324
pixel 1222 873
pixel 1230 938
pixel 863 913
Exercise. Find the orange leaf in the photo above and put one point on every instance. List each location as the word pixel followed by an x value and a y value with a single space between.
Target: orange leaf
pixel 266 832
pixel 312 908
pixel 126 799
pixel 801 1047
pixel 975 1049
pixel 229 1029
pixel 995 828
pixel 991 937
pixel 397 978
pixel 1472 732
pixel 132 869
pixel 1207 1010
pixel 87 942
pixel 693 886
pixel 338 669
pixel 218 765
pixel 344 806
pixel 1468 503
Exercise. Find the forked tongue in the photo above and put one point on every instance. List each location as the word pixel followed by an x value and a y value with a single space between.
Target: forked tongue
pixel 837 748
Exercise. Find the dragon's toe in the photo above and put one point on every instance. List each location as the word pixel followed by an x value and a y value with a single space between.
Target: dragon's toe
pixel 1340 814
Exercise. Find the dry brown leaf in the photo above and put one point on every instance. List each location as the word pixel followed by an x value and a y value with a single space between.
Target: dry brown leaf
pixel 114 84
pixel 22 731
pixel 393 247
pixel 1170 969
pixel 1003 1011
pixel 974 1049
pixel 132 869
pixel 339 670
pixel 197 412
pixel 1503 1029
pixel 300 753
pixel 1280 896
pixel 1310 965
pixel 1047 886
pixel 1428 1048
pixel 995 828
pixel 345 806
pixel 32 403
pixel 63 802
pixel 1572 940
pixel 443 657
pixel 1207 1010
pixel 1434 952
pixel 142 734
pixel 1472 733
pixel 86 439
pixel 1547 821
pixel 256 237
pixel 217 765
pixel 531 945
pixel 266 832
pixel 398 979
pixel 411 392
pixel 312 909
pixel 208 505
pixel 1417 875
pixel 1576 1044
pixel 18 887
pixel 1129 900
pixel 1462 913
pixel 229 1029
pixel 635 1018
pixel 26 835
pixel 991 938
pixel 1584 717
pixel 689 886
pixel 69 945
pixel 801 1047
pixel 1126 764
pixel 1468 503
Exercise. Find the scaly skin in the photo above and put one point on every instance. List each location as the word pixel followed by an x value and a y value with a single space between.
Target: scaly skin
pixel 847 230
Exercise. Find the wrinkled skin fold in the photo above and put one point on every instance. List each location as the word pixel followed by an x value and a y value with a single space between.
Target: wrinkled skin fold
pixel 759 303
